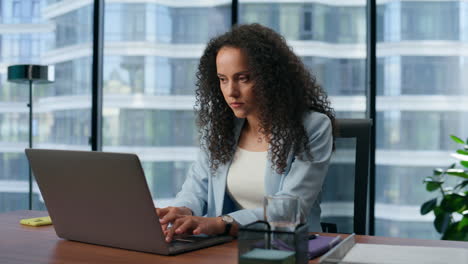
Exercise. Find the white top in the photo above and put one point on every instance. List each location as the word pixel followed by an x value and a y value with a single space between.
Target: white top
pixel 246 178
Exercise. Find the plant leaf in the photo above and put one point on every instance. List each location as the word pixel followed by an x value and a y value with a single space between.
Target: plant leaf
pixel 428 206
pixel 432 185
pixel 438 211
pixel 458 173
pixel 441 222
pixel 452 166
pixel 461 185
pixel 457 139
pixel 453 233
pixel 453 202
pixel 438 171
pixel 464 163
pixel 463 225
pixel 462 152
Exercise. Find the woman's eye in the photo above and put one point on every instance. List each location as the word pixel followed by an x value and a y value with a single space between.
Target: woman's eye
pixel 243 78
pixel 222 80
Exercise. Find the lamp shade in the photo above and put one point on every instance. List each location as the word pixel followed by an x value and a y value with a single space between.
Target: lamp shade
pixel 24 73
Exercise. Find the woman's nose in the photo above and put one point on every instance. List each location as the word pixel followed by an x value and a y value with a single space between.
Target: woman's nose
pixel 233 89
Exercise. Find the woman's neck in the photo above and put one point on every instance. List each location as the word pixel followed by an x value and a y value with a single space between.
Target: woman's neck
pixel 252 138
pixel 252 126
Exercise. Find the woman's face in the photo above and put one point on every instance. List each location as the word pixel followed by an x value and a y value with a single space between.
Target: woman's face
pixel 236 82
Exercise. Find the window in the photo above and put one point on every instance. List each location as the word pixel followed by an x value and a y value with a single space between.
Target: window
pixel 149 91
pixel 430 20
pixel 419 86
pixel 307 23
pixel 35 9
pixel 16 8
pixel 61 116
pixel 341 77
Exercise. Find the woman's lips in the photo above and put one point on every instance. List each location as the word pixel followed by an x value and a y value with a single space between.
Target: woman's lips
pixel 236 105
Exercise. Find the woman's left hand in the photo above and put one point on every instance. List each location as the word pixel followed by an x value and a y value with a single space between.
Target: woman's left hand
pixel 187 224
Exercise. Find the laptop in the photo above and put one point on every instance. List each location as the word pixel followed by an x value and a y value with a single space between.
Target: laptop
pixel 102 198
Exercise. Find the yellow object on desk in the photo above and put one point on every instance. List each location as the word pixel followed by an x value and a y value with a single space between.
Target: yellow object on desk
pixel 38 221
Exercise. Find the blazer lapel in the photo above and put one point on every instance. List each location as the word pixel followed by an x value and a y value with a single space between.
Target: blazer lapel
pixel 271 179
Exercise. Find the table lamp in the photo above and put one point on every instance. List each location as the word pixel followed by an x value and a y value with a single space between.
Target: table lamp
pixel 29 74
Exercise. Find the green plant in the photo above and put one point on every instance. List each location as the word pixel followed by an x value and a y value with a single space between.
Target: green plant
pixel 450 210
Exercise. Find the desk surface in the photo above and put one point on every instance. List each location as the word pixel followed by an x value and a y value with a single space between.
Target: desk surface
pixel 23 244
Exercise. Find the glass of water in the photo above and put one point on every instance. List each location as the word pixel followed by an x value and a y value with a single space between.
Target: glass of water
pixel 282 212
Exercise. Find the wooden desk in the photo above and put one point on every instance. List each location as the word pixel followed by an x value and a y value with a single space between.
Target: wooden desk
pixel 23 244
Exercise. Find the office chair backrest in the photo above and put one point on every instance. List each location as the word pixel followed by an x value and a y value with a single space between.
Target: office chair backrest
pixel 359 131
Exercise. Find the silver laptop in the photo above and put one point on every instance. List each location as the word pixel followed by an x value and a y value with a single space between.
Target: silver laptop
pixel 103 198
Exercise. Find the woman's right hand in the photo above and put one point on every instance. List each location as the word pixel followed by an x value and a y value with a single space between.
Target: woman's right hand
pixel 170 214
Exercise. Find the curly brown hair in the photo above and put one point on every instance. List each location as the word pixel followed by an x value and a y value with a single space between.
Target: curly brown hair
pixel 284 88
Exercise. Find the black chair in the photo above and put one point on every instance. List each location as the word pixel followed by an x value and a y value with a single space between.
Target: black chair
pixel 359 129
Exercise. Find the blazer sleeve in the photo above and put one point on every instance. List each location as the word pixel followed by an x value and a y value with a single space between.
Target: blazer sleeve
pixel 304 178
pixel 194 191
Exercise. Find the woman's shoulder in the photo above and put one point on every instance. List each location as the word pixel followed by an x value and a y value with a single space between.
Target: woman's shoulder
pixel 316 118
pixel 317 124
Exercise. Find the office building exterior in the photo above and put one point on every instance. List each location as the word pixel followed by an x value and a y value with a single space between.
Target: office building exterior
pixel 151 52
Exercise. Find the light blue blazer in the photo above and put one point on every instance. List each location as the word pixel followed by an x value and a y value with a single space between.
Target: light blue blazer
pixel 205 194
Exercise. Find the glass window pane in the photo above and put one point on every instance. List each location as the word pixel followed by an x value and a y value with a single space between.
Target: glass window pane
pixel 330 39
pixel 41 32
pixel 150 59
pixel 421 88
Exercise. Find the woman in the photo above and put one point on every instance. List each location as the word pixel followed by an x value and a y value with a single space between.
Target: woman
pixel 266 128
